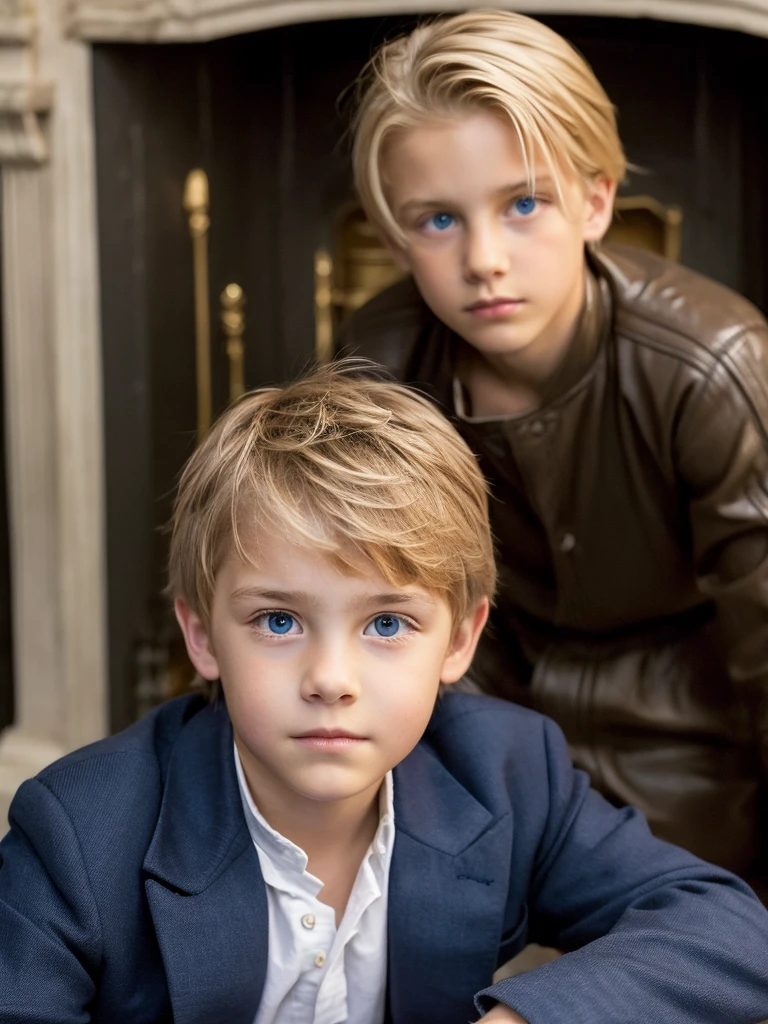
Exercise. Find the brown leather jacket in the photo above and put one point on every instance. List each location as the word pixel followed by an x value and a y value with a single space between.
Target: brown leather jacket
pixel 631 519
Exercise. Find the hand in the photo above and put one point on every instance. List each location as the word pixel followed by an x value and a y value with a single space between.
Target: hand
pixel 501 1014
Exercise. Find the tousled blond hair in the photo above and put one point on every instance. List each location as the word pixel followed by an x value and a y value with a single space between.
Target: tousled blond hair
pixel 491 60
pixel 344 463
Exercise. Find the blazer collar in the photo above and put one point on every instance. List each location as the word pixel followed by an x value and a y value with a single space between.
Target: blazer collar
pixel 201 827
pixel 203 882
pixel 447 893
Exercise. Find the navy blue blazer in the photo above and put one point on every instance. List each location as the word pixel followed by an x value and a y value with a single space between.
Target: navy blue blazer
pixel 130 890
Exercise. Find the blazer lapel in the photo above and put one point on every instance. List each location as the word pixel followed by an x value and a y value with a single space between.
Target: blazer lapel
pixel 447 893
pixel 204 885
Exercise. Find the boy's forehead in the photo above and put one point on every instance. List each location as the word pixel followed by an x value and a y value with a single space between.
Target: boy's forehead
pixel 274 556
pixel 307 581
pixel 434 155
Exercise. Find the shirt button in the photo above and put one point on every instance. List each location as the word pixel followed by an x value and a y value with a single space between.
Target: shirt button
pixel 567 542
pixel 319 959
pixel 308 920
pixel 537 428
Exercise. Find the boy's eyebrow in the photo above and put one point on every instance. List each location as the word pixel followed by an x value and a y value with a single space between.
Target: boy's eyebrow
pixel 264 594
pixel 420 204
pixel 295 596
pixel 397 597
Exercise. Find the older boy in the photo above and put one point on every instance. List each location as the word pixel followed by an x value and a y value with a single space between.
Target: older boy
pixel 618 406
pixel 298 851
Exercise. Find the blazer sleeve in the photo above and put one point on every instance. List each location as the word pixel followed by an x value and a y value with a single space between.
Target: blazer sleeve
pixel 50 934
pixel 655 933
pixel 721 457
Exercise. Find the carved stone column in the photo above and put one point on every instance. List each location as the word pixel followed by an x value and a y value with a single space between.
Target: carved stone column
pixel 52 372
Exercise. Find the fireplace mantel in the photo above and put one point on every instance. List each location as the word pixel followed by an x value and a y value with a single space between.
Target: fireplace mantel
pixel 201 20
pixel 16 22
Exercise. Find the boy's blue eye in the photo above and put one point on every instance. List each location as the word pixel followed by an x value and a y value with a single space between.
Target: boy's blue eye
pixel 525 205
pixel 385 625
pixel 440 221
pixel 279 622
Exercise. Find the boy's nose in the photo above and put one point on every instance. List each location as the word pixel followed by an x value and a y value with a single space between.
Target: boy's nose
pixel 330 677
pixel 485 254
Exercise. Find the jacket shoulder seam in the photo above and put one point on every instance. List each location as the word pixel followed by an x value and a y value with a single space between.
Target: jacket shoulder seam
pixel 64 811
pixel 713 358
pixel 57 769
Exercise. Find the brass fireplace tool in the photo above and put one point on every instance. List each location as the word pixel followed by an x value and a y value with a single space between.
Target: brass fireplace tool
pixel 323 306
pixel 162 668
pixel 233 324
pixel 232 302
pixel 196 205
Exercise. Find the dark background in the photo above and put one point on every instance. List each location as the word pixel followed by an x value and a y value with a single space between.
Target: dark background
pixel 260 114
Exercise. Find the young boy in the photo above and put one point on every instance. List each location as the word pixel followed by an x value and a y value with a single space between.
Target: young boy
pixel 301 849
pixel 617 404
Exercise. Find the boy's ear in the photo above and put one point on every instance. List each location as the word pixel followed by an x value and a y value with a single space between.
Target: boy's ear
pixel 197 640
pixel 464 642
pixel 599 208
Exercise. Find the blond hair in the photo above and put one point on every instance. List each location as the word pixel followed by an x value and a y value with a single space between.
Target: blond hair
pixel 491 60
pixel 344 463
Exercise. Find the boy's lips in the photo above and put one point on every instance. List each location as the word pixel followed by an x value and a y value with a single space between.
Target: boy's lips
pixel 329 734
pixel 329 739
pixel 487 309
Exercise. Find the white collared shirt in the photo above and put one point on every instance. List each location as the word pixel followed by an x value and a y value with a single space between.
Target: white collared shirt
pixel 316 973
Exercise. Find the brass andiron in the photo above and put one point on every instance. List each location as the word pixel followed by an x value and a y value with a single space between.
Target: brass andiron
pixel 233 323
pixel 323 306
pixel 354 269
pixel 196 205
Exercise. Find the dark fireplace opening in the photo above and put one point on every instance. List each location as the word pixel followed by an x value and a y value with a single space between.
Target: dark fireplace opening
pixel 259 113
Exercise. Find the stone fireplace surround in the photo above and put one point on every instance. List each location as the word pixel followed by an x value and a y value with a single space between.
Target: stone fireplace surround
pixel 51 333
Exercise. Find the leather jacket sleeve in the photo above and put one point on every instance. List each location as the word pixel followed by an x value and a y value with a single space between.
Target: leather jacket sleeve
pixel 721 456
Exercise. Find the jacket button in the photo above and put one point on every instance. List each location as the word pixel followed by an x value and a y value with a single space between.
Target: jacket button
pixel 567 543
pixel 319 959
pixel 308 920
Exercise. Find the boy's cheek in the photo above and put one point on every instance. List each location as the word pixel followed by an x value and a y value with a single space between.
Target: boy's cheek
pixel 398 252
